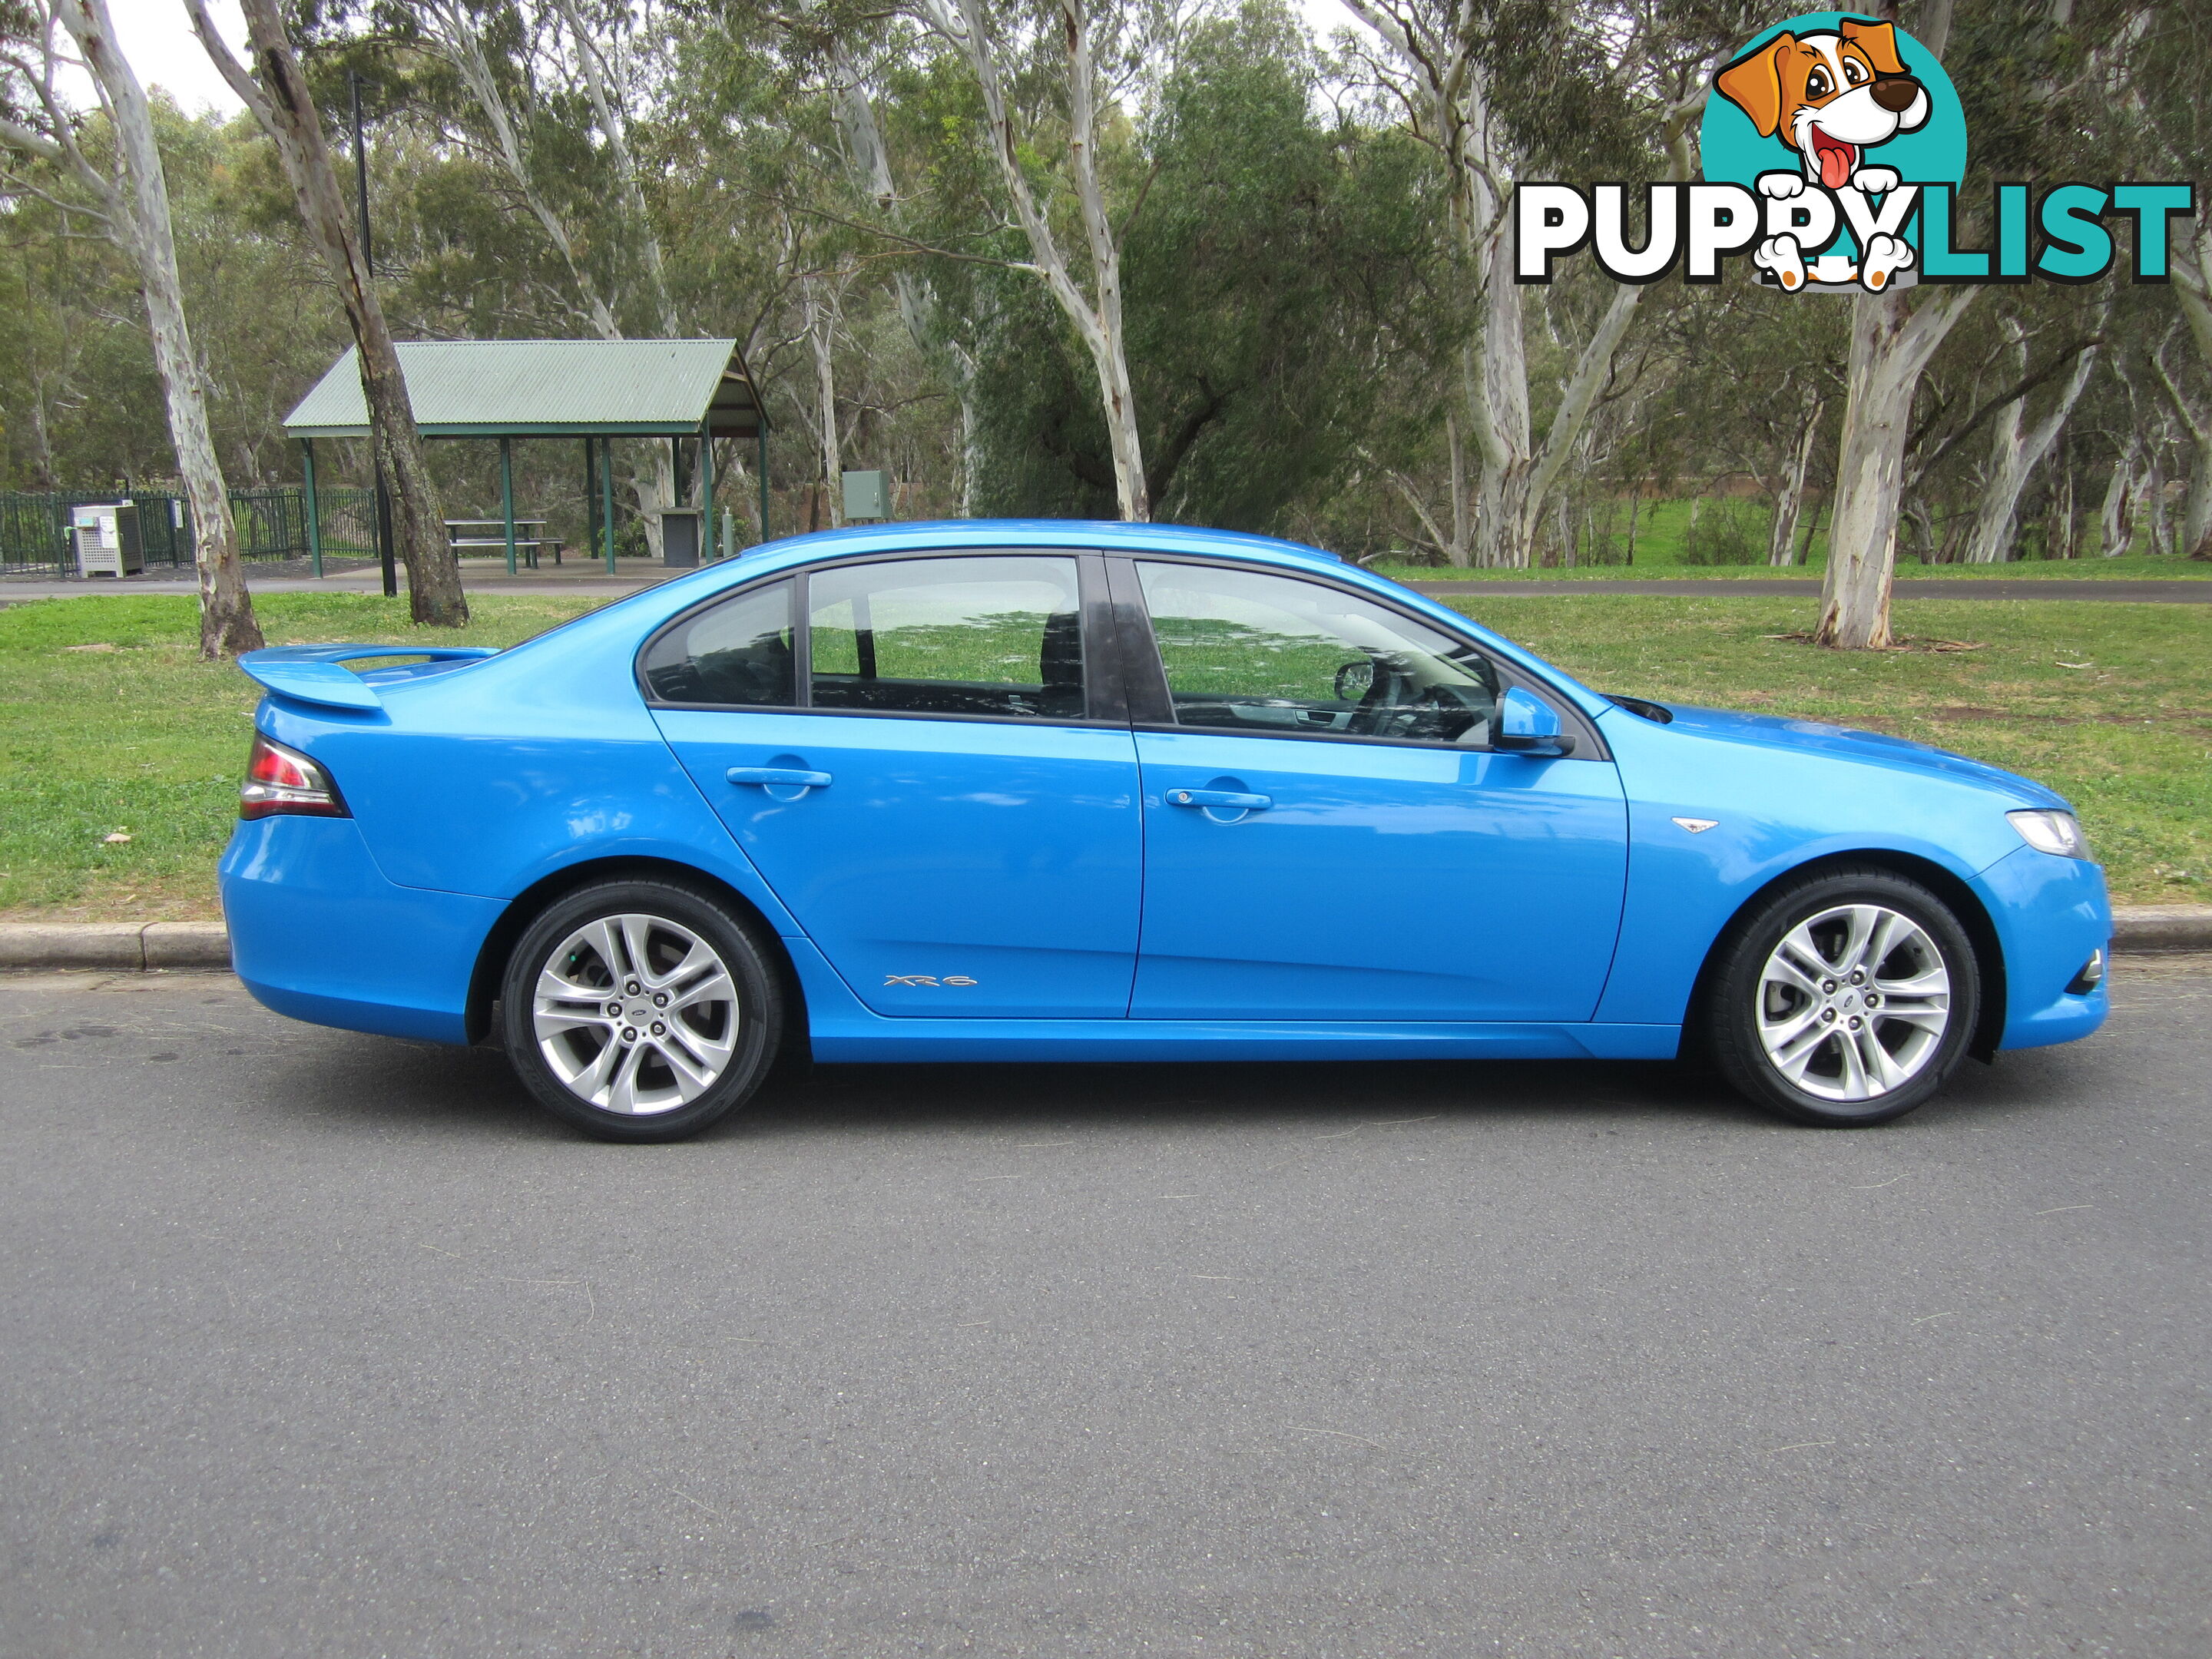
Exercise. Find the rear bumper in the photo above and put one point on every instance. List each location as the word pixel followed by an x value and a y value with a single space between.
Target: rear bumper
pixel 317 934
pixel 2050 913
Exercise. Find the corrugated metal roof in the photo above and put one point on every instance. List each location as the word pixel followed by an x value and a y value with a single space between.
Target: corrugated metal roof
pixel 523 388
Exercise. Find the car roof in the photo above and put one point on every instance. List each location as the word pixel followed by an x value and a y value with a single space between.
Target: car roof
pixel 1074 534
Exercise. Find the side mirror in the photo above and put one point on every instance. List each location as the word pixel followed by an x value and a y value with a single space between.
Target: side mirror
pixel 1527 725
pixel 1354 681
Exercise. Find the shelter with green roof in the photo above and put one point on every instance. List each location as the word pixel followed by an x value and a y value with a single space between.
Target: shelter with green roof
pixel 595 389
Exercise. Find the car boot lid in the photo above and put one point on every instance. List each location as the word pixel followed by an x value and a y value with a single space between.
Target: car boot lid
pixel 318 673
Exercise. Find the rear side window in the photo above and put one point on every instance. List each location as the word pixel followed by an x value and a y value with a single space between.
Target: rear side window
pixel 997 636
pixel 737 653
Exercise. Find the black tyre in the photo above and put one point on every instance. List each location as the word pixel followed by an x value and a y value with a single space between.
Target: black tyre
pixel 640 1010
pixel 1847 999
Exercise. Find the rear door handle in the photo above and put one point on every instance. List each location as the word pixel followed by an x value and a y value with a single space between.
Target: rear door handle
pixel 786 776
pixel 1223 798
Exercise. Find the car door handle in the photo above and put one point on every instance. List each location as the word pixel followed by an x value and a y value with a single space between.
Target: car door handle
pixel 786 776
pixel 1226 797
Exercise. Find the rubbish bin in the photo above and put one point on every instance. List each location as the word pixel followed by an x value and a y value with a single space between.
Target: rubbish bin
pixel 679 536
pixel 107 540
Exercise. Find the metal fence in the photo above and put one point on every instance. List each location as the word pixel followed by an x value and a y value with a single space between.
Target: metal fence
pixel 272 524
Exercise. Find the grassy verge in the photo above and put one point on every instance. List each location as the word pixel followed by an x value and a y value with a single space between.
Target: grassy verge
pixel 1662 536
pixel 109 725
pixel 2109 704
pixel 2061 570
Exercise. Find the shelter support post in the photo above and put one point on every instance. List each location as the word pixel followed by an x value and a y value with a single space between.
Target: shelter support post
pixel 314 506
pixel 763 474
pixel 607 499
pixel 591 493
pixel 507 496
pixel 708 551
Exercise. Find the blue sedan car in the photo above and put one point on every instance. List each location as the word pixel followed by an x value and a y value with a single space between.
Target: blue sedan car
pixel 1066 792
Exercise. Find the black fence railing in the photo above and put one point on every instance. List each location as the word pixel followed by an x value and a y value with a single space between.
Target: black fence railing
pixel 272 524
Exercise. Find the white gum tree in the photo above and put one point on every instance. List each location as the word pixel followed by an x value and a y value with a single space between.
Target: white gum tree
pixel 131 205
pixel 277 93
pixel 2018 447
pixel 987 38
pixel 1435 66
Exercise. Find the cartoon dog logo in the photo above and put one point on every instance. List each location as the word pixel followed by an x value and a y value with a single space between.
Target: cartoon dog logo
pixel 1831 96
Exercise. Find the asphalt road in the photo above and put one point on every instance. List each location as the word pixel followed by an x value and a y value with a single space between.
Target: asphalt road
pixel 317 1344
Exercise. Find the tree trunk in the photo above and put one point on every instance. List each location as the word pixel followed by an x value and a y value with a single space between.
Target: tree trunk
pixel 2154 501
pixel 1891 345
pixel 2115 522
pixel 821 332
pixel 1096 319
pixel 286 111
pixel 1790 499
pixel 228 625
pixel 2065 538
pixel 2196 507
pixel 2015 451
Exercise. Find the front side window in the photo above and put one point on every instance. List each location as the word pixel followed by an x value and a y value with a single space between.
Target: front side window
pixel 738 652
pixel 994 636
pixel 1248 652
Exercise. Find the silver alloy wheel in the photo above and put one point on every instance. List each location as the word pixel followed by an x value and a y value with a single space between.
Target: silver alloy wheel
pixel 1854 1002
pixel 635 1014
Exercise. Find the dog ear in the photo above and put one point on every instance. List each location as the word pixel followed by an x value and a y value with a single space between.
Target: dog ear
pixel 1753 84
pixel 1878 41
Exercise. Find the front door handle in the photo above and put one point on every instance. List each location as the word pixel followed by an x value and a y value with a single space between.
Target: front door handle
pixel 779 776
pixel 1229 799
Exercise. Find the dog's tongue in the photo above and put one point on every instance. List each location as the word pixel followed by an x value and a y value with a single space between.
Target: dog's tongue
pixel 1835 165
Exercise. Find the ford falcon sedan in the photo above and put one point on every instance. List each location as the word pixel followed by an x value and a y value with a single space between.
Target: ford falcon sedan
pixel 1061 792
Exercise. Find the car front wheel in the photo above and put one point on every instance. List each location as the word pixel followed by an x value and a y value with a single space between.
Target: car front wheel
pixel 1847 999
pixel 640 1011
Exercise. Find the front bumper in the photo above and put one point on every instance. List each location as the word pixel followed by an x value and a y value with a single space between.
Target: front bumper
pixel 317 934
pixel 2050 913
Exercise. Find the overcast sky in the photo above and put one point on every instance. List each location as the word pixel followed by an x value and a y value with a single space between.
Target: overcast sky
pixel 158 40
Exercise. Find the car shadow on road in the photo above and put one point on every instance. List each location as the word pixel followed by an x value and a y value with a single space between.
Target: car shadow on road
pixel 475 1092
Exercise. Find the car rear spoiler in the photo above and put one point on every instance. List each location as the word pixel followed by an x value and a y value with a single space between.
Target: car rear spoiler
pixel 318 673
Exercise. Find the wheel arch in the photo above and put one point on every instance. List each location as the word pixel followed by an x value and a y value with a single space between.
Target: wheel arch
pixel 527 905
pixel 1965 905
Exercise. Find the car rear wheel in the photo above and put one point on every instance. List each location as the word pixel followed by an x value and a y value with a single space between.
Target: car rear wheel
pixel 1847 999
pixel 640 1011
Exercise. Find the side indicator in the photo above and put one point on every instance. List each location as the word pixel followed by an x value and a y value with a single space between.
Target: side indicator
pixel 1697 826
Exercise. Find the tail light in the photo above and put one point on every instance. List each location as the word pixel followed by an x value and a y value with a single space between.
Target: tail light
pixel 282 782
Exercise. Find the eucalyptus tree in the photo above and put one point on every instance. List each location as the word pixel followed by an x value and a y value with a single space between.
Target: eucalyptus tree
pixel 1493 87
pixel 276 93
pixel 2158 73
pixel 131 205
pixel 2037 83
pixel 1096 54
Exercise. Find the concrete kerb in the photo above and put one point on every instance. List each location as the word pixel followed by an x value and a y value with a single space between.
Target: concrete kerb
pixel 143 947
pixel 129 947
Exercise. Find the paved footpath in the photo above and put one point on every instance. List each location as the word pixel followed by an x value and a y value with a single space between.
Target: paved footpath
pixel 322 1344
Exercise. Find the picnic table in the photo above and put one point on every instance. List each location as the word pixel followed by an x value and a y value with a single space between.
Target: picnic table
pixel 529 537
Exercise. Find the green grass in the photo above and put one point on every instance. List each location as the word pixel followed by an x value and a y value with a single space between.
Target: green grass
pixel 110 723
pixel 2129 569
pixel 2127 737
pixel 138 737
pixel 1662 528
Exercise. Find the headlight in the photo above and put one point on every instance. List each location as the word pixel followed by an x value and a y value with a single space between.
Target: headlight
pixel 2057 833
